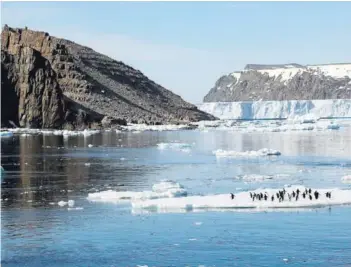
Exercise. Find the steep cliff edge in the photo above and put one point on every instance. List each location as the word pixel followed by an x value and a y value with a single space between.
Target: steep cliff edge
pixel 283 82
pixel 89 86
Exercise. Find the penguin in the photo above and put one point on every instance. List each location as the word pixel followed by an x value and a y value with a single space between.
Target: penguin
pixel 277 195
pixel 297 197
pixel 310 197
pixel 293 193
pixel 265 197
pixel 316 194
pixel 261 195
pixel 310 190
pixel 272 198
pixel 304 195
pixel 329 194
pixel 250 195
pixel 232 195
pixel 297 191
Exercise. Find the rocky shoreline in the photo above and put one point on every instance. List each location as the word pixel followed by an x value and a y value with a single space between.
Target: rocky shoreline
pixel 48 82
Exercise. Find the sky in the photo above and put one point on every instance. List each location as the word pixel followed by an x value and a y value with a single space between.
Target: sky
pixel 187 46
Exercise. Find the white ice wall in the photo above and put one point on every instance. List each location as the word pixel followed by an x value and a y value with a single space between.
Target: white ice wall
pixel 331 108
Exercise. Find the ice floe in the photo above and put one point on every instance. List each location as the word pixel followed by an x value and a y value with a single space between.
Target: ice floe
pixel 346 179
pixel 259 153
pixel 175 146
pixel 166 127
pixel 69 203
pixel 243 200
pixel 85 132
pixel 6 134
pixel 164 189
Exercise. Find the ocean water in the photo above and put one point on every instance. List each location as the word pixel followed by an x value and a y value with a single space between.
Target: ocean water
pixel 42 170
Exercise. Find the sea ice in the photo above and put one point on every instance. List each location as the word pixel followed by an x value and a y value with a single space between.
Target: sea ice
pixel 5 134
pixel 62 203
pixel 258 153
pixel 175 146
pixel 164 189
pixel 346 179
pixel 243 200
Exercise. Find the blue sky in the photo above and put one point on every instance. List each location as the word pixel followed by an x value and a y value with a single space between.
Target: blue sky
pixel 187 46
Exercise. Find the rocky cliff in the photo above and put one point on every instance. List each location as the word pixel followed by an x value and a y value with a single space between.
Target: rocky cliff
pixel 49 82
pixel 283 82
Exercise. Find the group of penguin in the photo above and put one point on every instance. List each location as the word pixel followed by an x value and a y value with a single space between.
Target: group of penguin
pixel 282 194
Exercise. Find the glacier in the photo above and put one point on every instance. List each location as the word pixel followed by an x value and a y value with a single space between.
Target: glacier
pixel 265 110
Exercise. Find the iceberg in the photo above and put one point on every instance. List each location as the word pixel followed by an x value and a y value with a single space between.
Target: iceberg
pixel 260 110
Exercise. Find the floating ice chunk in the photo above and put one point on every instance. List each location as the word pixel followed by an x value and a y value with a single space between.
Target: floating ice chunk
pixel 164 189
pixel 198 223
pixel 346 179
pixel 75 208
pixel 62 203
pixel 145 127
pixel 6 134
pixel 70 203
pixel 256 177
pixel 258 153
pixel 90 145
pixel 175 146
pixel 243 200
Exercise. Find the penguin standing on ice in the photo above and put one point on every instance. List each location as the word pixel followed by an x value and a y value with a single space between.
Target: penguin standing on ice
pixel 310 197
pixel 316 194
pixel 272 198
pixel 232 195
pixel 303 195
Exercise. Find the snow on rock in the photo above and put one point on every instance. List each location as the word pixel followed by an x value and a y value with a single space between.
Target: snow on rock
pixel 346 179
pixel 243 200
pixel 164 189
pixel 258 153
pixel 251 110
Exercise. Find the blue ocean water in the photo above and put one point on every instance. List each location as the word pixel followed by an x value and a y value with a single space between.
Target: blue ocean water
pixel 41 170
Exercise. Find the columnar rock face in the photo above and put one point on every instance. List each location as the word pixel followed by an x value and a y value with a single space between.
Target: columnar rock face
pixel 90 86
pixel 30 94
pixel 283 82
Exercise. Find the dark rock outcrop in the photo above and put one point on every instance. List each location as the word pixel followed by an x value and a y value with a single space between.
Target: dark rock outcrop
pixel 80 85
pixel 30 94
pixel 282 82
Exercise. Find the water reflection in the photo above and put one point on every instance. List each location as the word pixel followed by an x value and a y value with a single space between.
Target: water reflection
pixel 41 169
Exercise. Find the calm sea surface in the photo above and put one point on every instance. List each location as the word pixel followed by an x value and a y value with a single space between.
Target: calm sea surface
pixel 41 170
